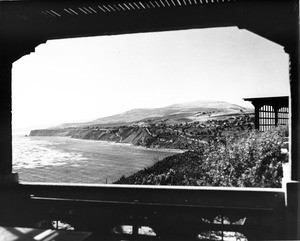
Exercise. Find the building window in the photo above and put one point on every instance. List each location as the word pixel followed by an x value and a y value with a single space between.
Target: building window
pixel 266 118
pixel 283 116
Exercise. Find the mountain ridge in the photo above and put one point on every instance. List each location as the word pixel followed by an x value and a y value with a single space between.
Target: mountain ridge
pixel 188 111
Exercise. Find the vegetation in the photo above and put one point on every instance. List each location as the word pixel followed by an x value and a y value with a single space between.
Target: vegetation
pixel 245 159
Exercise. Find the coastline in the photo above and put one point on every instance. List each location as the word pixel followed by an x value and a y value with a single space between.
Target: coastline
pixel 139 147
pixel 119 143
pixel 161 149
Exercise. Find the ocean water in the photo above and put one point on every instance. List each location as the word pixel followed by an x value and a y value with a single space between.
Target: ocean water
pixel 68 160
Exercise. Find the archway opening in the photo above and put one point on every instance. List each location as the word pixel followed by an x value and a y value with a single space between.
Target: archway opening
pixel 150 100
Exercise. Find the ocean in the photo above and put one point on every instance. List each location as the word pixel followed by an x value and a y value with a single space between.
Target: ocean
pixel 68 160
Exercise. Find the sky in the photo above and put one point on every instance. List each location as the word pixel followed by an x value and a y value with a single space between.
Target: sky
pixel 82 79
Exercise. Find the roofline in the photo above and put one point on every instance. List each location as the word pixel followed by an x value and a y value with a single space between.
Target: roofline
pixel 261 98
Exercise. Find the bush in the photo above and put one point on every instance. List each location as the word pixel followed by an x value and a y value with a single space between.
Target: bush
pixel 252 159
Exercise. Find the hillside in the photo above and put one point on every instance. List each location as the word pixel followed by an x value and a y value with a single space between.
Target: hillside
pixel 180 126
pixel 230 161
pixel 159 133
pixel 200 110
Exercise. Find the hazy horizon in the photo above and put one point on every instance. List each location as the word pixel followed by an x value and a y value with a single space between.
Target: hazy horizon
pixel 82 79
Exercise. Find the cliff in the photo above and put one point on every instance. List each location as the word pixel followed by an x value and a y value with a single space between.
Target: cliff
pixel 133 134
pixel 162 134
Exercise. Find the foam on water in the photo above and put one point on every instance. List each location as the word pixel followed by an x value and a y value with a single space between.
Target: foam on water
pixel 64 159
pixel 35 152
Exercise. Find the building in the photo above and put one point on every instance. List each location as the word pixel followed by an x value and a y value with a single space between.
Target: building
pixel 270 111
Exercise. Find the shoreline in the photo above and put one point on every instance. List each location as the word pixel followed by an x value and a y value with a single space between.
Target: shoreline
pixel 162 149
pixel 119 143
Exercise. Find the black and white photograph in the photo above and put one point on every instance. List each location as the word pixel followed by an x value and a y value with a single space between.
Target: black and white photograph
pixel 149 120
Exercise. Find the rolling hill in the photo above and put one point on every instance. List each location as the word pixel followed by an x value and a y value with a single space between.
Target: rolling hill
pixel 200 110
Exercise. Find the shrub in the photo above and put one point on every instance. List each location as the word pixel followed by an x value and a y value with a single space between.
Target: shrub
pixel 251 159
pixel 254 160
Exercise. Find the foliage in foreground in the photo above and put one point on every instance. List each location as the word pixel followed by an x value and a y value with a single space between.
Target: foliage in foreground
pixel 253 159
